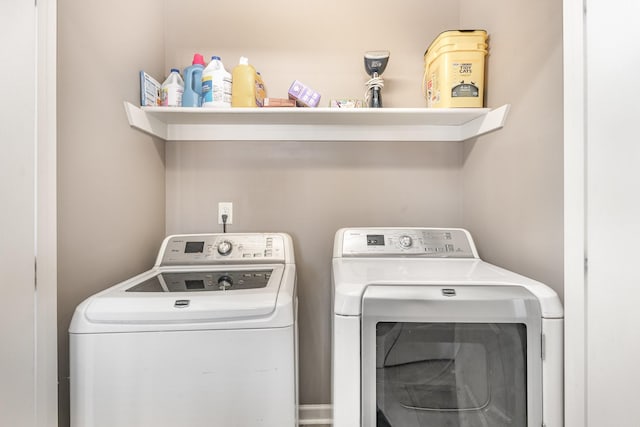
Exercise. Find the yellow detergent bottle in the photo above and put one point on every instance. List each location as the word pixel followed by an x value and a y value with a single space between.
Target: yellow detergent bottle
pixel 244 91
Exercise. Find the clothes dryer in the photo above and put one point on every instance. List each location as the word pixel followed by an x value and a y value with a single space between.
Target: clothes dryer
pixel 425 333
pixel 206 337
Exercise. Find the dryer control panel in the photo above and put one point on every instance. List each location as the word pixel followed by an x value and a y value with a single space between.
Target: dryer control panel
pixel 208 249
pixel 419 242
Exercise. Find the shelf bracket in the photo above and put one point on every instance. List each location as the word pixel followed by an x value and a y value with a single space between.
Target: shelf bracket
pixel 490 122
pixel 144 122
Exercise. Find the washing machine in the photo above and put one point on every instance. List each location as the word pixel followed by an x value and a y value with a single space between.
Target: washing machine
pixel 425 333
pixel 207 337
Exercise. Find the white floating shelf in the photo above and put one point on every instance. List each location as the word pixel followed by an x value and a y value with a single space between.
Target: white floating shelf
pixel 316 124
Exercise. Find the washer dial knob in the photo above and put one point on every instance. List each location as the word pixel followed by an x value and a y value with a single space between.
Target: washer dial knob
pixel 406 241
pixel 225 282
pixel 225 247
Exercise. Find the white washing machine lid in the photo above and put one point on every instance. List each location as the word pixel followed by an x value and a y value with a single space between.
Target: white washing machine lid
pixel 192 298
pixel 352 276
pixel 199 283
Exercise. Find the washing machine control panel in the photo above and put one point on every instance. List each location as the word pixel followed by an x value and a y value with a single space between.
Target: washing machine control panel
pixel 228 248
pixel 423 242
pixel 205 281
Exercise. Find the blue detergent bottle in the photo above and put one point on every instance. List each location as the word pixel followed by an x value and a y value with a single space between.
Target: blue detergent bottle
pixel 192 96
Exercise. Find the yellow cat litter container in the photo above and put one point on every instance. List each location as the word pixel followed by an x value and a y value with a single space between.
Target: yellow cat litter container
pixel 454 69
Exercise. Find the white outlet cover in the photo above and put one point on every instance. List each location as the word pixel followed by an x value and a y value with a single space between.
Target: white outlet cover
pixel 225 208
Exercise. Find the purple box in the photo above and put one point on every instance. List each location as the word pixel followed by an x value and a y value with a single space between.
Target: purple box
pixel 303 94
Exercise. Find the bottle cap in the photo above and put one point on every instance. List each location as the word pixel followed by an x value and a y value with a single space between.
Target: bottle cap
pixel 197 59
pixel 244 60
pixel 215 58
pixel 175 70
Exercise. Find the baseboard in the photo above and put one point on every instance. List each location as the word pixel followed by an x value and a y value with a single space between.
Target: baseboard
pixel 315 415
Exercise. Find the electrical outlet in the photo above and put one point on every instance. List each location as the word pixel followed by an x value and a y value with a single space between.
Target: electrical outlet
pixel 225 208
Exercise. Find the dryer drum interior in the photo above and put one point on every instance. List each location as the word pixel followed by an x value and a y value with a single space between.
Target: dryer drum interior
pixel 451 374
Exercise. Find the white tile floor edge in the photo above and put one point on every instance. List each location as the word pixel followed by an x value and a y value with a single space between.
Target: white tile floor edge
pixel 315 415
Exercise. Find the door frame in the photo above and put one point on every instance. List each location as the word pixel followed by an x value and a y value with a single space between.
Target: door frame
pixel 574 212
pixel 46 318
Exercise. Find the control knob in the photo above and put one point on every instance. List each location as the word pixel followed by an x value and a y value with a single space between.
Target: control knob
pixel 225 247
pixel 406 241
pixel 225 282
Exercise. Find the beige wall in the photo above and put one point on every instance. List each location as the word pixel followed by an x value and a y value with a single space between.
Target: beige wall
pixel 310 190
pixel 320 42
pixel 505 187
pixel 512 179
pixel 110 179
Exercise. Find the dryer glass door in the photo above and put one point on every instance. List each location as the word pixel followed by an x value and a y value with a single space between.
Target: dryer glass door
pixel 451 374
pixel 448 362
